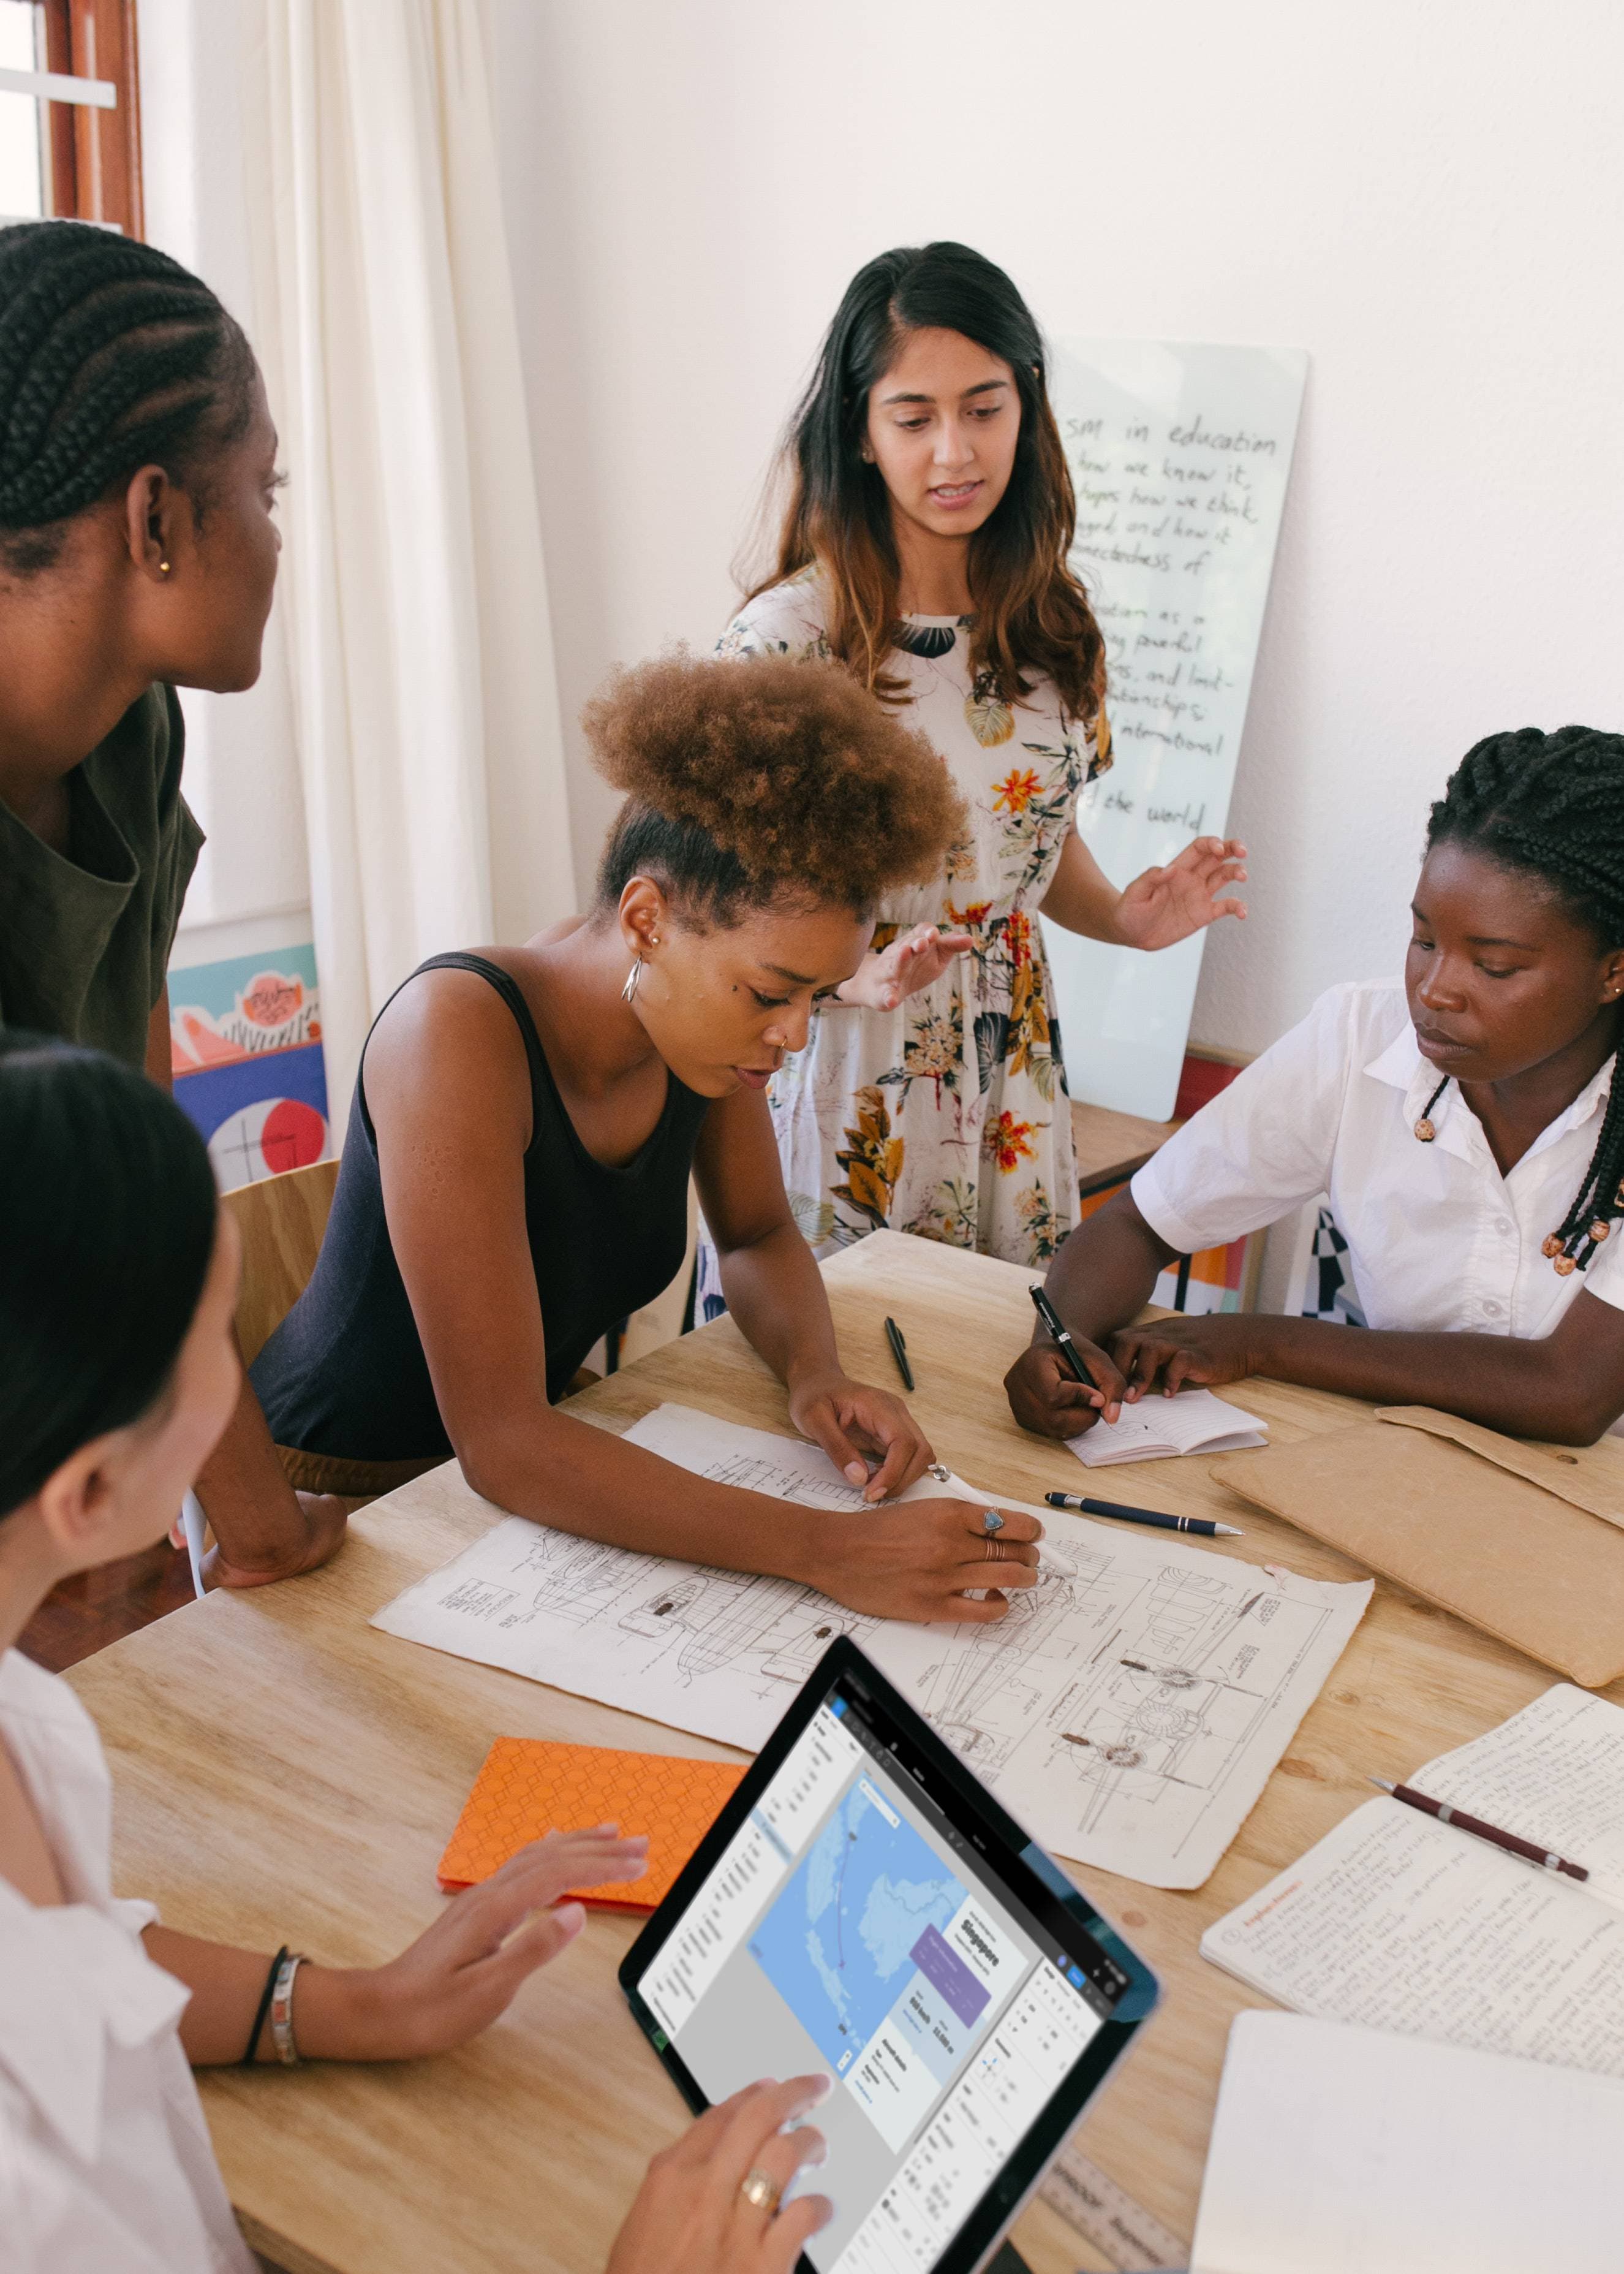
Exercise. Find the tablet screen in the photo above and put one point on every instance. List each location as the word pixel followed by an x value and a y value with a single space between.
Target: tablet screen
pixel 856 1923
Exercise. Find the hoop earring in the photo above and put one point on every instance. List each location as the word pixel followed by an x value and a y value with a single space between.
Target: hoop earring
pixel 632 977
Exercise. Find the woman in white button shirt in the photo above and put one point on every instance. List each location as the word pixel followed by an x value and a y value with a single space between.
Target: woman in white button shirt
pixel 1466 1124
pixel 117 1374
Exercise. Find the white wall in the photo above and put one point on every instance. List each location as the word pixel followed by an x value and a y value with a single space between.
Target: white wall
pixel 1427 194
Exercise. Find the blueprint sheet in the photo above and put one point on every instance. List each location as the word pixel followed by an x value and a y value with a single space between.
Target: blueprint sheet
pixel 1128 1710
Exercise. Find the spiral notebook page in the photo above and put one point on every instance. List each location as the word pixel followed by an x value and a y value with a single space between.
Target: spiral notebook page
pixel 1194 1421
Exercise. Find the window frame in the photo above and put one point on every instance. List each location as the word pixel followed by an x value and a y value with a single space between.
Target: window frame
pixel 93 156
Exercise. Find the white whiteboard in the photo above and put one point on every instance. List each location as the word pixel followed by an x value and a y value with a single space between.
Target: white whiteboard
pixel 1180 456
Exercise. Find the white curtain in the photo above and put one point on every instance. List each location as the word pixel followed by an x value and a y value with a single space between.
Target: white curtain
pixel 430 744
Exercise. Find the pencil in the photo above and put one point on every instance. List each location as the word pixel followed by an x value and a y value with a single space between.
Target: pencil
pixel 1510 1841
pixel 899 1351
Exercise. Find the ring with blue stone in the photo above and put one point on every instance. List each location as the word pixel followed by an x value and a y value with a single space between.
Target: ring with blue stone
pixel 991 1521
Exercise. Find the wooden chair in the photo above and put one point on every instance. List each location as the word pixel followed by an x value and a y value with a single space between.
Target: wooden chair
pixel 281 1220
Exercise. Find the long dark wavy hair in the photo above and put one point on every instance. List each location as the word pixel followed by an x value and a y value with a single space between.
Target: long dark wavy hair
pixel 1032 612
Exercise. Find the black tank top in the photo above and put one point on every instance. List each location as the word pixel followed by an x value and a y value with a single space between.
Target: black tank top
pixel 345 1373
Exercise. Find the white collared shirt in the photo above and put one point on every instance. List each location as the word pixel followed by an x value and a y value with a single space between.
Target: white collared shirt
pixel 1438 1240
pixel 105 2161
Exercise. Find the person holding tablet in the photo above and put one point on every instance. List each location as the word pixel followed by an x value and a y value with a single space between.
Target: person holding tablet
pixel 515 1178
pixel 118 1276
pixel 925 547
pixel 1468 1125
pixel 862 1900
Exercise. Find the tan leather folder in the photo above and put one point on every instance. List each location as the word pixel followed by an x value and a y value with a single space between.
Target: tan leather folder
pixel 1525 1541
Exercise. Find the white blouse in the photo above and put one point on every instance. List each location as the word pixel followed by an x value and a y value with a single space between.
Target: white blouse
pixel 105 2161
pixel 1437 1239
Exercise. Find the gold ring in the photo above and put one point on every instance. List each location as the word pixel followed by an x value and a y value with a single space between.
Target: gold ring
pixel 759 2190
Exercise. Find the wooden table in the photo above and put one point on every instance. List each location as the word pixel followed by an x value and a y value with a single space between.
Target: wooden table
pixel 287 1773
pixel 1110 1146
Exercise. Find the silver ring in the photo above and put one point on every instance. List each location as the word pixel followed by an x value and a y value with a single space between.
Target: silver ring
pixel 759 2190
pixel 991 1521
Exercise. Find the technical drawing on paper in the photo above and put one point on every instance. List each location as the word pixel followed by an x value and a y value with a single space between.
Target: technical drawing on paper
pixel 1133 1700
pixel 700 1621
pixel 1129 1714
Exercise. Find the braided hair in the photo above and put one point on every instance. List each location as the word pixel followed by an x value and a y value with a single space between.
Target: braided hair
pixel 1552 805
pixel 112 356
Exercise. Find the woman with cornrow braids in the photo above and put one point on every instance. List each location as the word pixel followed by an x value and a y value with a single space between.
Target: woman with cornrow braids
pixel 1468 1125
pixel 138 553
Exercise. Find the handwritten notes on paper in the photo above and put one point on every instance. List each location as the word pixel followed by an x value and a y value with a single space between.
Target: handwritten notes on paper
pixel 1403 1923
pixel 1180 457
pixel 1396 1923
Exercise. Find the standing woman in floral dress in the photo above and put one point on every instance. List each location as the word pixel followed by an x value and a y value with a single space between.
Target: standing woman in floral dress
pixel 925 545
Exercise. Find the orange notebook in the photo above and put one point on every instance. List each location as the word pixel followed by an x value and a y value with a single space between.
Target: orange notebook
pixel 528 1786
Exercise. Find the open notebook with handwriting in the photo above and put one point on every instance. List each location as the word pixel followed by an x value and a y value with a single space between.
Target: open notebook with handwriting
pixel 1403 1923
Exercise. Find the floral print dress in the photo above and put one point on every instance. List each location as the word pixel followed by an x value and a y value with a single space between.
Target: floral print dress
pixel 947 1117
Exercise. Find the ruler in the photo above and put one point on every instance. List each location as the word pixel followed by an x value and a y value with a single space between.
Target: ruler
pixel 1091 2201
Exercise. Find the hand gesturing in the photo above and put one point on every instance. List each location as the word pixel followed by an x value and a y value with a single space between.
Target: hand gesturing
pixel 912 961
pixel 1167 904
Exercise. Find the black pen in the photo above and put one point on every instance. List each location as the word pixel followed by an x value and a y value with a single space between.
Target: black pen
pixel 1202 1526
pixel 899 1351
pixel 1056 1326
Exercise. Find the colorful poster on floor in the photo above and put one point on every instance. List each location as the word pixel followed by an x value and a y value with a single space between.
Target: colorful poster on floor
pixel 245 1041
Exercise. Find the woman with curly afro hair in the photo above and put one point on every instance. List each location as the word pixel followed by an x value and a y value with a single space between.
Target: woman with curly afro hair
pixel 516 1173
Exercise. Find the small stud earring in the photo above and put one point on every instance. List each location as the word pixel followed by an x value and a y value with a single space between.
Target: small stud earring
pixel 163 567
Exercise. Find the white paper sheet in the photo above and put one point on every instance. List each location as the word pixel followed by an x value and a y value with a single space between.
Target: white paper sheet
pixel 1401 1922
pixel 1179 452
pixel 1129 1709
pixel 1159 1428
pixel 1350 2152
pixel 1554 1773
